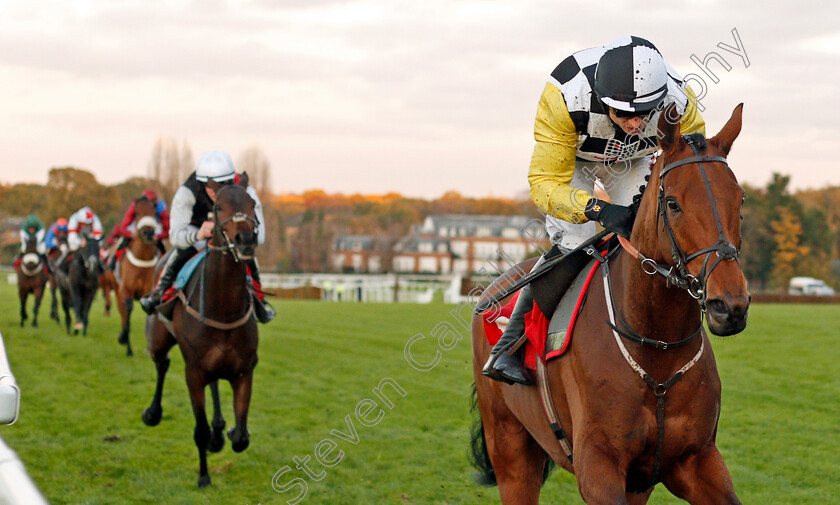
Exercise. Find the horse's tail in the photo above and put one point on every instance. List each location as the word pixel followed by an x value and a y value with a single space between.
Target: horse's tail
pixel 479 457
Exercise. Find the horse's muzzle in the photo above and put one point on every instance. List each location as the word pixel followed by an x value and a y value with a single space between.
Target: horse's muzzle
pixel 246 243
pixel 728 315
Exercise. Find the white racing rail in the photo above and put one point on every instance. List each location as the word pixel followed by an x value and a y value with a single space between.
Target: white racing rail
pixel 16 487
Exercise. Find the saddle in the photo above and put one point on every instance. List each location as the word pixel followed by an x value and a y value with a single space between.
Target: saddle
pixel 561 293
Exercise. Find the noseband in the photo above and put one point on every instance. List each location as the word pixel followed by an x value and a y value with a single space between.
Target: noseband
pixel 723 248
pixel 228 246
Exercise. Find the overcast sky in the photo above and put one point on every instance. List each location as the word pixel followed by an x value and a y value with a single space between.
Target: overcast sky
pixel 417 97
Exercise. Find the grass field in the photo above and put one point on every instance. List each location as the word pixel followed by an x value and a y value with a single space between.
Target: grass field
pixel 82 440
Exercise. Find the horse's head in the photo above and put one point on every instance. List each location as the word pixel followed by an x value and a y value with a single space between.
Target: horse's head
pixel 90 257
pixel 235 217
pixel 690 219
pixel 31 259
pixel 146 221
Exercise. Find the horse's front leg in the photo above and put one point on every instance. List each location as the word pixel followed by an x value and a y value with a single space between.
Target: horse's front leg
pixel 125 313
pixel 23 296
pixel 76 300
pixel 702 479
pixel 239 436
pixel 39 294
pixel 54 306
pixel 160 342
pixel 601 477
pixel 201 436
pixel 217 439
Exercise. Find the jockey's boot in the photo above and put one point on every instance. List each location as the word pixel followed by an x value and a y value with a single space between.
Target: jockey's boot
pixel 112 260
pixel 178 258
pixel 502 366
pixel 262 309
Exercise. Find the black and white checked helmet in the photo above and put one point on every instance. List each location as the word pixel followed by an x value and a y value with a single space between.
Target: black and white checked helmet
pixel 631 75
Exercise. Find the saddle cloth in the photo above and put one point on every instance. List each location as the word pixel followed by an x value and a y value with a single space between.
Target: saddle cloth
pixel 546 340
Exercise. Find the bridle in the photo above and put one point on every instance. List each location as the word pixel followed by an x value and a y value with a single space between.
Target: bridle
pixel 678 274
pixel 228 246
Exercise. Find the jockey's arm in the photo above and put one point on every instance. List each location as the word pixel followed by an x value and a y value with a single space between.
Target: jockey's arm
pixel 128 218
pixel 96 228
pixel 182 233
pixel 553 160
pixel 41 245
pixel 164 224
pixel 258 211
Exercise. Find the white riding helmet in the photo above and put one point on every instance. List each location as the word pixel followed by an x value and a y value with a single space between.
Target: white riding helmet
pixel 214 165
pixel 631 75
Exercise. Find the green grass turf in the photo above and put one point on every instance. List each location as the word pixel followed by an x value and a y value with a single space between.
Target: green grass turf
pixel 82 440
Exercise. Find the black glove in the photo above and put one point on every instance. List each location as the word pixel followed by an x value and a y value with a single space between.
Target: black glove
pixel 614 218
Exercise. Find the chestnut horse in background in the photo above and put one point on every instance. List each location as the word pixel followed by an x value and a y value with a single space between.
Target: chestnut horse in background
pixel 137 266
pixel 107 283
pixel 214 325
pixel 32 276
pixel 625 434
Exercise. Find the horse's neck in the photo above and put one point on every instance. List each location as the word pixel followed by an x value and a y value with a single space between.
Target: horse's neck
pixel 224 275
pixel 140 249
pixel 649 306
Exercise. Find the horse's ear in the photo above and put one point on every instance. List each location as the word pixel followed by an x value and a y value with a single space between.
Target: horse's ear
pixel 727 135
pixel 243 179
pixel 669 127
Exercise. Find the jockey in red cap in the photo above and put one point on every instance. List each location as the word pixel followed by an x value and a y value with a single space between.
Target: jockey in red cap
pixel 124 230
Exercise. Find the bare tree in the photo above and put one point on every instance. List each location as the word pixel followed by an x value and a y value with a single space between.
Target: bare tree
pixel 170 164
pixel 255 162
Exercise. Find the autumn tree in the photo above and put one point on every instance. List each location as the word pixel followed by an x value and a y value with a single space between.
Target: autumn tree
pixel 789 253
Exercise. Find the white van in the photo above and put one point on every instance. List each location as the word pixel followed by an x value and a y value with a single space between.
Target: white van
pixel 809 286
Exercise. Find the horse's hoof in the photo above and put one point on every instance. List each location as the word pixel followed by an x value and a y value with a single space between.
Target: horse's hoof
pixel 204 481
pixel 34 323
pixel 238 441
pixel 151 417
pixel 217 442
pixel 129 353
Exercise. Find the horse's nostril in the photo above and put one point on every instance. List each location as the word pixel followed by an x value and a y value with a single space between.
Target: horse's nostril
pixel 716 307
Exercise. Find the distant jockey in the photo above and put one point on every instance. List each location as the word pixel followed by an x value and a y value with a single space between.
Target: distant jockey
pixel 56 236
pixel 84 223
pixel 122 232
pixel 32 228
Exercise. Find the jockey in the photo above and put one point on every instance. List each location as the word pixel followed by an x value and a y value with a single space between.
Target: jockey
pixel 190 228
pixel 84 223
pixel 81 225
pixel 122 232
pixel 32 227
pixel 597 118
pixel 56 236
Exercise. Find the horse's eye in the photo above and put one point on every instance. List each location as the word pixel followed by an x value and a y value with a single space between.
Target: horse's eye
pixel 672 204
pixel 217 208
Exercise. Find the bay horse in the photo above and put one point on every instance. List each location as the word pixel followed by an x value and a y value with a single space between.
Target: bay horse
pixel 224 347
pixel 137 267
pixel 107 283
pixel 79 283
pixel 32 276
pixel 613 428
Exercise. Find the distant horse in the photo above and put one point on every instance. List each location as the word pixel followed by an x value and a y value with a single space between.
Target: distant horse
pixel 613 425
pixel 214 325
pixel 32 276
pixel 137 267
pixel 52 258
pixel 79 283
pixel 107 283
